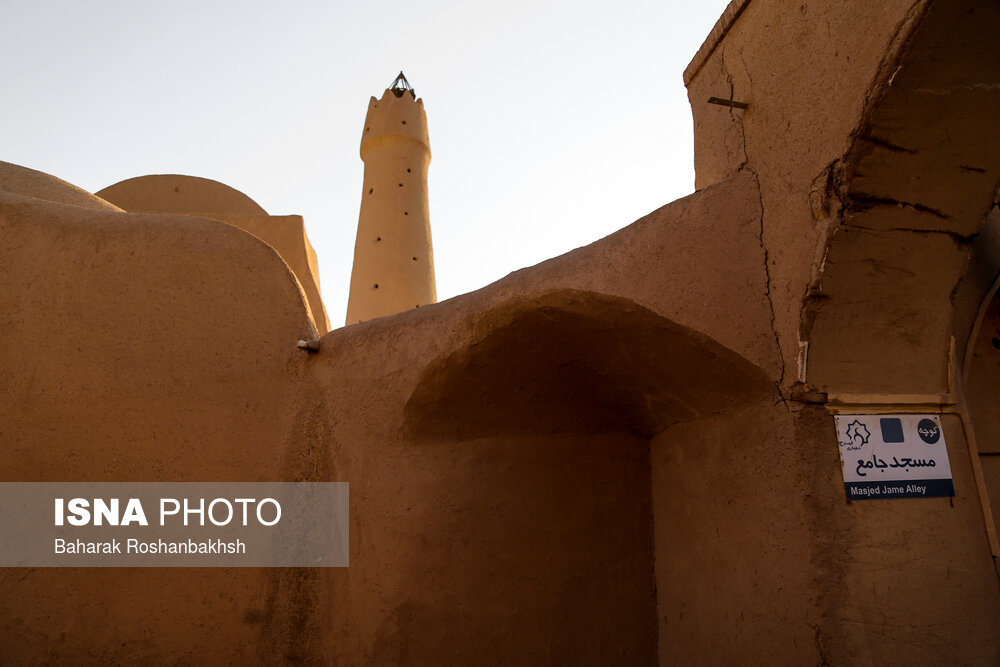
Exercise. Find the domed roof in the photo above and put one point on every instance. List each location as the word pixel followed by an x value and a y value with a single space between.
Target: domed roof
pixel 174 193
pixel 26 182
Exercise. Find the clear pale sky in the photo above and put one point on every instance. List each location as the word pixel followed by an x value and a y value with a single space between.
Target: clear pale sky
pixel 552 124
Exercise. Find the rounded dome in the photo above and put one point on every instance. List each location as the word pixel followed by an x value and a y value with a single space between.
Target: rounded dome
pixel 174 193
pixel 26 182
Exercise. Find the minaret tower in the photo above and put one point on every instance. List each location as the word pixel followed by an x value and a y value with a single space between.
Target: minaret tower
pixel 393 259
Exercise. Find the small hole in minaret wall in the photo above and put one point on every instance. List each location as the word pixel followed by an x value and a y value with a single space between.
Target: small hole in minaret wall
pixel 376 285
pixel 371 190
pixel 400 185
pixel 404 122
pixel 414 258
pixel 407 170
pixel 378 238
pixel 406 212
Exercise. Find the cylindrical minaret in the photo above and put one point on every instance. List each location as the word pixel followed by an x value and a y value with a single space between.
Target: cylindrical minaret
pixel 393 260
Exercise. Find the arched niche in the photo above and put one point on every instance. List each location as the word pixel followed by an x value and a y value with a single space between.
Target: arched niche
pixel 916 186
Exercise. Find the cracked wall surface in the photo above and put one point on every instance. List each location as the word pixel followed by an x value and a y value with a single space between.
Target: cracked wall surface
pixel 875 182
pixel 916 187
pixel 797 123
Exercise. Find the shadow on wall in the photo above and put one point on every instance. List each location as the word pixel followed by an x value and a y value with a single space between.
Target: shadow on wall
pixel 982 379
pixel 575 361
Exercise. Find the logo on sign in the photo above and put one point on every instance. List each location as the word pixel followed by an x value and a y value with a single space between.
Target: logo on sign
pixel 928 431
pixel 858 433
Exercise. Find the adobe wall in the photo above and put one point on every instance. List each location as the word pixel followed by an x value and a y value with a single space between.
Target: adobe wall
pixel 144 348
pixel 744 535
pixel 166 345
pixel 500 440
pixel 503 505
pixel 866 180
pixel 287 235
pixel 755 540
pixel 807 73
pixel 875 185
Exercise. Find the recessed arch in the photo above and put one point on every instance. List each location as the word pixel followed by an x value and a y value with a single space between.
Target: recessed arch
pixel 571 360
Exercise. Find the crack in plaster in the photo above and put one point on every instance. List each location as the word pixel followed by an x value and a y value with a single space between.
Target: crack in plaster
pixel 767 292
pixel 768 279
pixel 823 660
pixel 732 113
pixel 882 143
pixel 861 201
pixel 958 239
